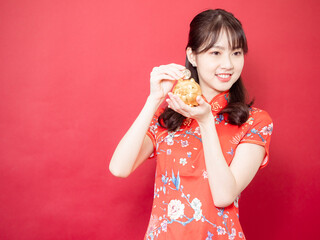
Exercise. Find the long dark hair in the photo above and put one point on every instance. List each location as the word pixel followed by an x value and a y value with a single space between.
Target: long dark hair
pixel 204 32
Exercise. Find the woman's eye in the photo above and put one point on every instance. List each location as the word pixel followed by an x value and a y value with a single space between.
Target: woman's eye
pixel 237 53
pixel 215 53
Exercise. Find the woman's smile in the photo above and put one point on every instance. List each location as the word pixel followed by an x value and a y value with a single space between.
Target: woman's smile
pixel 224 77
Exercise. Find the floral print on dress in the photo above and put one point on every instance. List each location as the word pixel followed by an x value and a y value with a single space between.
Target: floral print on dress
pixel 175 209
pixel 267 130
pixel 183 204
pixel 183 161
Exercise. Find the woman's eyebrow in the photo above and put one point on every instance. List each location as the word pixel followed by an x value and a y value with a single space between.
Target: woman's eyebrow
pixel 220 47
pixel 223 48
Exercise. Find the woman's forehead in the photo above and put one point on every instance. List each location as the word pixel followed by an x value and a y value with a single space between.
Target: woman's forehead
pixel 225 39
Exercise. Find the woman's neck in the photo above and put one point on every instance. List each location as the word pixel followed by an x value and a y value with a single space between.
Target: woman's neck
pixel 210 94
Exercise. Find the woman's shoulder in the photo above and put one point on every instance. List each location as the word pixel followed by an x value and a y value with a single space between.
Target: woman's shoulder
pixel 259 115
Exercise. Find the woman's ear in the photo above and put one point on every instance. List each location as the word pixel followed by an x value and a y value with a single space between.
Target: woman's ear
pixel 191 57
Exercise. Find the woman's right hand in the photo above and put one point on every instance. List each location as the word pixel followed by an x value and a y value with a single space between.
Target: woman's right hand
pixel 162 79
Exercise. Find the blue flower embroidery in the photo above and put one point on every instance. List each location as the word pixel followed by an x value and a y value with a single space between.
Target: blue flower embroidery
pixel 176 180
pixel 210 235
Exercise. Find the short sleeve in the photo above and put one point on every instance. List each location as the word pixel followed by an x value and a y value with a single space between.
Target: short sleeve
pixel 154 128
pixel 259 132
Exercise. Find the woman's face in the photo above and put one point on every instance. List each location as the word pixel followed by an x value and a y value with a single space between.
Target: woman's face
pixel 218 68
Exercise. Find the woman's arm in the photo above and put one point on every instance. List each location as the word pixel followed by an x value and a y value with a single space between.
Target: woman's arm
pixel 226 182
pixel 135 147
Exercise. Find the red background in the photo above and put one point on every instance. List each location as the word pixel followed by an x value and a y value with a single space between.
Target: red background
pixel 74 75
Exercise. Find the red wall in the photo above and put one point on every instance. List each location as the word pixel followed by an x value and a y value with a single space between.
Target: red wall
pixel 74 75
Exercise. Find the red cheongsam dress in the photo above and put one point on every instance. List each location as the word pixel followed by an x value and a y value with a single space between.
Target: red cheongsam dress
pixel 183 207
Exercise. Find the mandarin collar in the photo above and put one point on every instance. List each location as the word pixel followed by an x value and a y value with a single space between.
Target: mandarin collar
pixel 218 102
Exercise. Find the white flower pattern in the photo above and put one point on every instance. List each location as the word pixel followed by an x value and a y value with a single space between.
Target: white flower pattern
pixel 204 174
pixel 196 203
pixel 164 226
pixel 175 209
pixel 221 230
pixel 184 143
pixel 169 141
pixel 183 161
pixel 197 131
pixel 267 130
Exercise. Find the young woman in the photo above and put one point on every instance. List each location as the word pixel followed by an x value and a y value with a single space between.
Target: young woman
pixel 206 155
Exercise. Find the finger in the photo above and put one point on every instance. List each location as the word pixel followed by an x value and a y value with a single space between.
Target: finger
pixel 169 103
pixel 173 103
pixel 172 106
pixel 200 100
pixel 174 73
pixel 179 105
pixel 164 76
pixel 172 69
pixel 180 67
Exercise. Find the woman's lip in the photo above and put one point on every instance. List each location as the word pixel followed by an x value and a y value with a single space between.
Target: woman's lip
pixel 224 79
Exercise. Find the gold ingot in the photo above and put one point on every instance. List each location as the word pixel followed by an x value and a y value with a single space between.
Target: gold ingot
pixel 187 90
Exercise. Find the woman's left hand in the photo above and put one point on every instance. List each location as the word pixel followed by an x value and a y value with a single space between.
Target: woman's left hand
pixel 201 113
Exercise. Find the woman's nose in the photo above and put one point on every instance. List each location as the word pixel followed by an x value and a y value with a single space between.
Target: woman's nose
pixel 226 62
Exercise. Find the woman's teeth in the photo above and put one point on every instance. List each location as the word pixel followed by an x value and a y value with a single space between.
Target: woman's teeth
pixel 224 75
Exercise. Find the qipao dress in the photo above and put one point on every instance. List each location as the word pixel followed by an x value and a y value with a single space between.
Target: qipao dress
pixel 183 207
